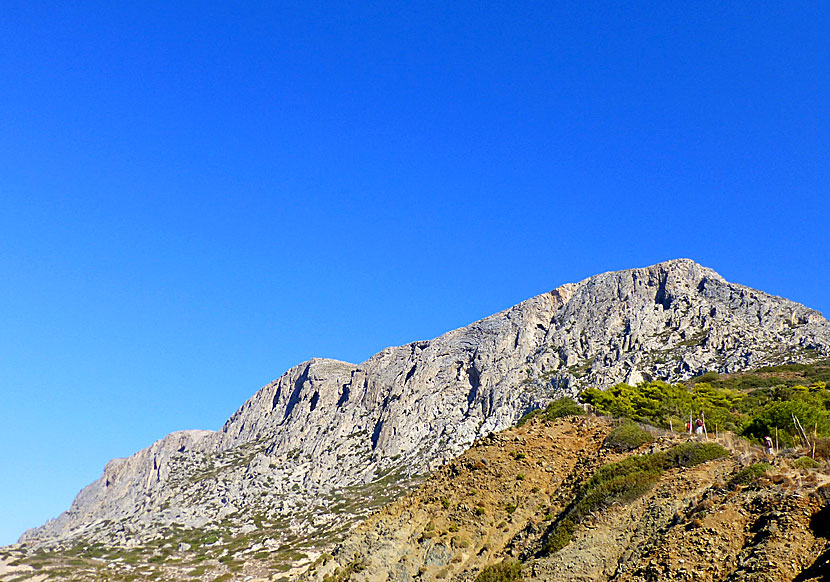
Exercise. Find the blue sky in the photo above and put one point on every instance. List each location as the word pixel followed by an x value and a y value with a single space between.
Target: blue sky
pixel 194 198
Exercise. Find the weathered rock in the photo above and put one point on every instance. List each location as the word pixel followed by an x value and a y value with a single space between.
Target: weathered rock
pixel 326 425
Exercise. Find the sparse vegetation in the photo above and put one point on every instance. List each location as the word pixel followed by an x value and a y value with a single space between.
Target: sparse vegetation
pixel 627 437
pixel 751 405
pixel 749 475
pixel 559 408
pixel 806 463
pixel 623 482
pixel 506 571
pixel 344 573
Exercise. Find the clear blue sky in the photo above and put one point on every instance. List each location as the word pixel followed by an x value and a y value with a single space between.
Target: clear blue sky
pixel 194 198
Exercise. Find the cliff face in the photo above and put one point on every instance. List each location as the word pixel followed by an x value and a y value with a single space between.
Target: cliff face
pixel 324 427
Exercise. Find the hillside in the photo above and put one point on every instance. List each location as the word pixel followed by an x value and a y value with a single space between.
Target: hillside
pixel 502 498
pixel 328 442
pixel 501 502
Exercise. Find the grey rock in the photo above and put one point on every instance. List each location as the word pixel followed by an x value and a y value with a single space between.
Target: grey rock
pixel 327 425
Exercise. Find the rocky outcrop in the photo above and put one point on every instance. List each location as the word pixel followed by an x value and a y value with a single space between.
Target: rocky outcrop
pixel 325 425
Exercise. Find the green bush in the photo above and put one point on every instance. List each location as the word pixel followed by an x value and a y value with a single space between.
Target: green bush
pixel 506 571
pixel 562 407
pixel 749 475
pixel 627 437
pixel 692 453
pixel 628 466
pixel 806 463
pixel 559 537
pixel 809 410
pixel 619 482
pixel 746 404
pixel 559 408
pixel 621 489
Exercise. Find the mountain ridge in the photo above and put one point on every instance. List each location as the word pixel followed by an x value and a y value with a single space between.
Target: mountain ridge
pixel 325 425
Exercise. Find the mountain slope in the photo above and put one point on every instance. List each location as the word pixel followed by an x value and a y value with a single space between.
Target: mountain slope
pixel 500 499
pixel 300 449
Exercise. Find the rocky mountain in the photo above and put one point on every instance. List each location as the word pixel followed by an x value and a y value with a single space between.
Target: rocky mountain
pixel 329 441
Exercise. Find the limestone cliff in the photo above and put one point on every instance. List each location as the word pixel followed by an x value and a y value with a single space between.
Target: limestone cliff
pixel 305 442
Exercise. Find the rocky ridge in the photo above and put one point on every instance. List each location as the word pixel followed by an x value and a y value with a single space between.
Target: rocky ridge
pixel 327 441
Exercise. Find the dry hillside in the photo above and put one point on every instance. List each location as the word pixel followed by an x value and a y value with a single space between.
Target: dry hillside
pixel 501 498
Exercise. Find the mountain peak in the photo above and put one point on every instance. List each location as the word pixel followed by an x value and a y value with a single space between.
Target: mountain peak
pixel 326 428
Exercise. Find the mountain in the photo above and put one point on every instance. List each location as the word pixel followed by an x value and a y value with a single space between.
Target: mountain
pixel 328 441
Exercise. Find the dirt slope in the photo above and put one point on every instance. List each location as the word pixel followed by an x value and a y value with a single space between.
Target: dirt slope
pixel 497 501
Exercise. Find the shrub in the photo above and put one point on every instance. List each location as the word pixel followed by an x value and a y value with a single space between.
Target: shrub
pixel 506 571
pixel 690 454
pixel 562 407
pixel 806 463
pixel 559 537
pixel 623 482
pixel 749 475
pixel 627 466
pixel 559 408
pixel 706 377
pixel 622 489
pixel 823 448
pixel 627 437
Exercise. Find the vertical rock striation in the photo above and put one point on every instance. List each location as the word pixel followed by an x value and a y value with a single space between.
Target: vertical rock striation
pixel 327 425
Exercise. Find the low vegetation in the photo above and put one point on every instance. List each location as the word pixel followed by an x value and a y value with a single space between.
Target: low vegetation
pixel 623 482
pixel 506 571
pixel 559 408
pixel 627 437
pixel 806 463
pixel 749 475
pixel 751 405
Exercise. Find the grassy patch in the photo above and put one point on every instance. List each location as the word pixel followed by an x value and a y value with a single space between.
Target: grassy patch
pixel 506 571
pixel 806 463
pixel 749 475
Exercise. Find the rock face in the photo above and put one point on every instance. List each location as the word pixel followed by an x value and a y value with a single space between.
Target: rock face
pixel 325 425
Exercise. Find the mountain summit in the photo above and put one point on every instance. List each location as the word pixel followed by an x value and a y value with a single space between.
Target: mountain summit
pixel 328 440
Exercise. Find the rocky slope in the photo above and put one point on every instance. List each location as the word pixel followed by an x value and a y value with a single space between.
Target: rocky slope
pixel 498 501
pixel 328 441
